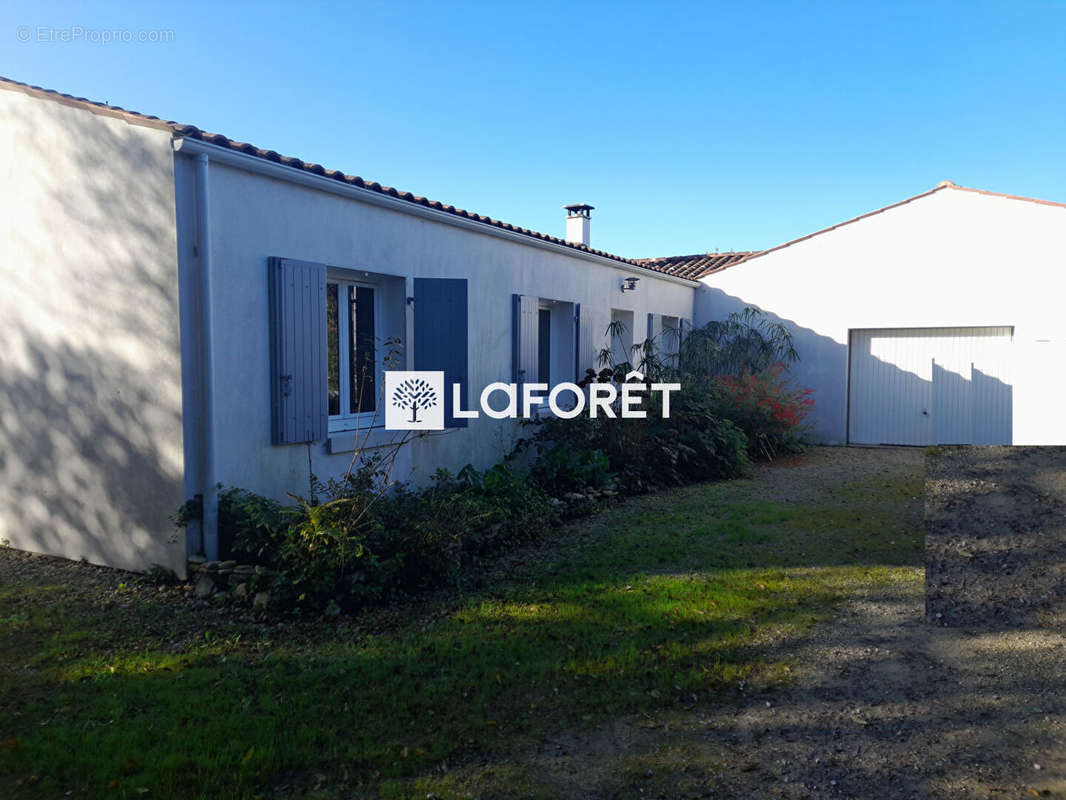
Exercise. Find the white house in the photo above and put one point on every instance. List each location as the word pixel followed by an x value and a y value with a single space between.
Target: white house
pixel 181 310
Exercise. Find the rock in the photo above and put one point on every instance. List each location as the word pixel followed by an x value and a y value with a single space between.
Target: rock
pixel 240 590
pixel 227 565
pixel 261 600
pixel 573 496
pixel 554 501
pixel 209 566
pixel 197 559
pixel 205 587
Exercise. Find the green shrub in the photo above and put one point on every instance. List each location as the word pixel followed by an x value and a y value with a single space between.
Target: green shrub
pixel 440 533
pixel 693 444
pixel 354 543
pixel 248 524
pixel 562 468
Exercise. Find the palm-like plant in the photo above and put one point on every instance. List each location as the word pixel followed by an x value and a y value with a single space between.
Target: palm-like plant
pixel 745 341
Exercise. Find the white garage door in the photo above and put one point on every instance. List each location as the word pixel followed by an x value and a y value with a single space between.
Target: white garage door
pixel 923 386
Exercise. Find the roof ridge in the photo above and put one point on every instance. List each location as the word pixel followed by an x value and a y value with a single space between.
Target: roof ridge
pixel 939 187
pixel 1004 195
pixel 193 132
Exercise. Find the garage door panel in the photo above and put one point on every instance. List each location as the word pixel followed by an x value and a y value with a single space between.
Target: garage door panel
pixel 952 413
pixel 891 387
pixel 923 386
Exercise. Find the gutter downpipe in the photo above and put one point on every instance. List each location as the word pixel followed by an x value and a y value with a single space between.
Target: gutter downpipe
pixel 209 522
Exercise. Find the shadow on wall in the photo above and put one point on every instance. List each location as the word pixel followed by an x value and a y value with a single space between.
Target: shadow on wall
pixel 891 406
pixel 90 387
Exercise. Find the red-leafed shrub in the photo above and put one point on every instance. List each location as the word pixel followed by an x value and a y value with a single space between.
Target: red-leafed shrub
pixel 767 407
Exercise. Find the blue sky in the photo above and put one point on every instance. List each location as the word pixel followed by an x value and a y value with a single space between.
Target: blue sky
pixel 690 127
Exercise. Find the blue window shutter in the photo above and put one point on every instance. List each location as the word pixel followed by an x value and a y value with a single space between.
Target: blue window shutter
pixel 578 369
pixel 297 351
pixel 684 328
pixel 442 337
pixel 588 341
pixel 516 338
pixel 524 328
pixel 655 326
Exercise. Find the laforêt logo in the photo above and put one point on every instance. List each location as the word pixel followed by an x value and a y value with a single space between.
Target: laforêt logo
pixel 414 401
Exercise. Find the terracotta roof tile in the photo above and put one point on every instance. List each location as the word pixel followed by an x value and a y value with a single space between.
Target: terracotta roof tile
pixel 192 132
pixel 695 266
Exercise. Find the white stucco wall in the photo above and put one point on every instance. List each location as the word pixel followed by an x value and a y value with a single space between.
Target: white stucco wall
pixel 951 259
pixel 90 383
pixel 254 217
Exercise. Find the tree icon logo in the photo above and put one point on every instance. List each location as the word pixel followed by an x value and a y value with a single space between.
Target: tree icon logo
pixel 415 400
pixel 415 394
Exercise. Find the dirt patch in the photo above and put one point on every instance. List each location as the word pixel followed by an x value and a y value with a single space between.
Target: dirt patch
pixel 996 536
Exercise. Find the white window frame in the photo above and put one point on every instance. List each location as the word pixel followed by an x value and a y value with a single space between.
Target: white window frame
pixel 347 421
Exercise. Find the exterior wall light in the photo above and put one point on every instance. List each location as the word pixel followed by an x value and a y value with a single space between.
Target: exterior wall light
pixel 629 284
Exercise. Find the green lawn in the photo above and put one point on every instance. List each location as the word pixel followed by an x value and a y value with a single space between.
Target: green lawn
pixel 663 602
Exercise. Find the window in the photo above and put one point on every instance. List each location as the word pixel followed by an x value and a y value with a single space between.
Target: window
pixel 621 337
pixel 670 340
pixel 544 340
pixel 351 349
pixel 334 332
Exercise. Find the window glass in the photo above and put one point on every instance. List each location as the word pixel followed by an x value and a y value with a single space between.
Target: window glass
pixel 351 351
pixel 333 349
pixel 544 352
pixel 362 392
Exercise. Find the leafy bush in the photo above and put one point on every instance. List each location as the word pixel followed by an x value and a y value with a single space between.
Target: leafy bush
pixel 352 543
pixel 436 535
pixel 561 469
pixel 764 405
pixel 312 548
pixel 693 444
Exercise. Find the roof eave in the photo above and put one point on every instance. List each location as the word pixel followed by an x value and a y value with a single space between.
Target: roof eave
pixel 261 166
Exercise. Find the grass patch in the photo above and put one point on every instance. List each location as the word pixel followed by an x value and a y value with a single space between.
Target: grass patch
pixel 662 602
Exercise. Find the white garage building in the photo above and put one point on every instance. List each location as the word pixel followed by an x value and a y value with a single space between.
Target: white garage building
pixel 936 320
